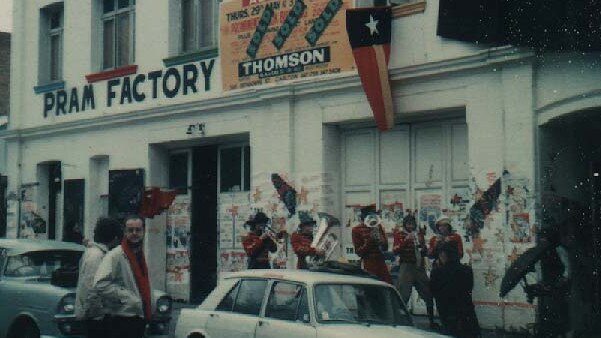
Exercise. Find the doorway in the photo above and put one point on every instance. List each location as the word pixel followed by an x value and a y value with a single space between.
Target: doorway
pixel 73 211
pixel 570 185
pixel 203 241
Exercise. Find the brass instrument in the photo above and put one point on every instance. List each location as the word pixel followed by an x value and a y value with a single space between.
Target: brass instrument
pixel 268 230
pixel 324 240
pixel 372 221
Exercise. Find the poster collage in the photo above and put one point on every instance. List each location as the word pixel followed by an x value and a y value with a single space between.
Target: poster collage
pixel 178 243
pixel 508 230
pixel 314 192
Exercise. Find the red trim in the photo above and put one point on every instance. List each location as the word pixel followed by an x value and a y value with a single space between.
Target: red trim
pixel 504 304
pixel 109 74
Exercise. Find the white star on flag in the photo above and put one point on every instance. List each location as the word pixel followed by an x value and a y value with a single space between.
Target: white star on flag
pixel 372 25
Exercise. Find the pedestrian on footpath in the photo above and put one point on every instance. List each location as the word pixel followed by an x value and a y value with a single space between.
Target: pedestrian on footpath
pixel 410 246
pixel 451 284
pixel 123 281
pixel 88 304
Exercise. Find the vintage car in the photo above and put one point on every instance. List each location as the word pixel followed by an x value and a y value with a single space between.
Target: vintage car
pixel 298 304
pixel 37 289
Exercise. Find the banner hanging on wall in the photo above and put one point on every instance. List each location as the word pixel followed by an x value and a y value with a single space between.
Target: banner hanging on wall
pixel 265 42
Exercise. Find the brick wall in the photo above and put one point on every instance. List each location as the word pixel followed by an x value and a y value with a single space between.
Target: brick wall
pixel 4 72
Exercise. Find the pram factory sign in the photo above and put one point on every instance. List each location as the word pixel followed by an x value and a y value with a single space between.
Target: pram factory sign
pixel 266 41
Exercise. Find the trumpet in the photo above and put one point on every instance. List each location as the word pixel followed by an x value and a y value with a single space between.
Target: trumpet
pixel 268 230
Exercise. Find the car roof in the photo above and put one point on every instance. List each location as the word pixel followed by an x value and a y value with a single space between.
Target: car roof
pixel 19 246
pixel 305 276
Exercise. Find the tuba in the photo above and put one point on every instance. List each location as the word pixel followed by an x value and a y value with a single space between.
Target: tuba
pixel 324 240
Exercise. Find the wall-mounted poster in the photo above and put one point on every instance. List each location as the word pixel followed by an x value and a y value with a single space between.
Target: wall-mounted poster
pixel 178 243
pixel 392 206
pixel 232 260
pixel 264 42
pixel 429 204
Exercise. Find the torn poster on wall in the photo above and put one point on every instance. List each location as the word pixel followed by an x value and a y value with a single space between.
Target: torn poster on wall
pixel 232 260
pixel 32 223
pixel 392 204
pixel 485 202
pixel 522 232
pixel 430 208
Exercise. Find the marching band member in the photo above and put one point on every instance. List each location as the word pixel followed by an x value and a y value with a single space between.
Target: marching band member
pixel 258 243
pixel 370 242
pixel 444 234
pixel 302 239
pixel 410 246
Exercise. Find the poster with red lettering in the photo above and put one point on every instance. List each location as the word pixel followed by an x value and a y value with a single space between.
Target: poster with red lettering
pixel 268 41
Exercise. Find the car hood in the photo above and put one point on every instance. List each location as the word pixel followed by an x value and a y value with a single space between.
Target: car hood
pixel 371 331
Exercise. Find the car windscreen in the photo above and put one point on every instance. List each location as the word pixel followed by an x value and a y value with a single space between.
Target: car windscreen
pixel 41 263
pixel 360 303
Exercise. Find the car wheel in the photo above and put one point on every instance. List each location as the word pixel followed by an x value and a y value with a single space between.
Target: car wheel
pixel 29 330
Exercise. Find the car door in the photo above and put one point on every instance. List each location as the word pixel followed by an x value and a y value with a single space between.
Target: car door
pixel 5 315
pixel 238 313
pixel 286 313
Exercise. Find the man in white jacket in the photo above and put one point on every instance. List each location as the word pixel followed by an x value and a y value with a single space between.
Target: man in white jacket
pixel 88 304
pixel 123 282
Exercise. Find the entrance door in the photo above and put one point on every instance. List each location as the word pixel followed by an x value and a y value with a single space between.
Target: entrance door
pixel 570 182
pixel 73 223
pixel 203 246
pixel 54 189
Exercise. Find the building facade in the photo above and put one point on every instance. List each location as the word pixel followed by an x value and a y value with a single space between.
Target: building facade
pixel 116 95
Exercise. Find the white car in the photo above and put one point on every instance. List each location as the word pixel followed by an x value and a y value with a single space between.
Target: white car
pixel 298 304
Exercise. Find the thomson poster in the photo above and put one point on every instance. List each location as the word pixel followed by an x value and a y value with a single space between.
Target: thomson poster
pixel 264 41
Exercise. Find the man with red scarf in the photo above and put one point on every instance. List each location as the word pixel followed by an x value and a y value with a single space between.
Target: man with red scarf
pixel 122 281
pixel 370 243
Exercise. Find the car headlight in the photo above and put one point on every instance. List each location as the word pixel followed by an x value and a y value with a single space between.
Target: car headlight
pixel 164 305
pixel 67 304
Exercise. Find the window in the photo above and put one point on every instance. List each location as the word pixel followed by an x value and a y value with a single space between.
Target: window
pixel 118 23
pixel 360 303
pixel 178 173
pixel 227 303
pixel 199 19
pixel 287 301
pixel 234 169
pixel 51 43
pixel 250 297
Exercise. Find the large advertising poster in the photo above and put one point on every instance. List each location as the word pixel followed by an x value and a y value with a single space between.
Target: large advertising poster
pixel 267 41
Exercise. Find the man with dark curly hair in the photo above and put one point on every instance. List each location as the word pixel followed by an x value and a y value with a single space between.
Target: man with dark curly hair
pixel 88 304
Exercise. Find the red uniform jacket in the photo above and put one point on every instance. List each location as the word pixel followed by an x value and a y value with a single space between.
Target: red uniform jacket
pixel 433 250
pixel 301 244
pixel 370 252
pixel 405 247
pixel 256 249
